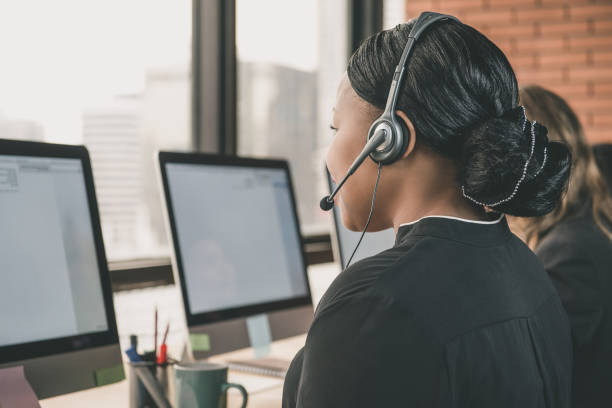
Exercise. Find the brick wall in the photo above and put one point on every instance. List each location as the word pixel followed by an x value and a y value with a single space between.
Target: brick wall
pixel 565 46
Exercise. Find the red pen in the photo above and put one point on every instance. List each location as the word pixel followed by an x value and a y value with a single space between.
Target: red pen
pixel 163 349
pixel 162 358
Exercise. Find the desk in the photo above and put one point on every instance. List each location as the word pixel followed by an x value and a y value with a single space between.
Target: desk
pixel 116 395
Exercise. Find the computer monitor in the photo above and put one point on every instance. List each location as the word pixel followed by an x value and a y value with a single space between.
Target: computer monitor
pixel 57 317
pixel 345 240
pixel 238 251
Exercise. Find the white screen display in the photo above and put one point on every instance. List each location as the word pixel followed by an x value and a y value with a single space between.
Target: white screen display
pixel 237 236
pixel 50 284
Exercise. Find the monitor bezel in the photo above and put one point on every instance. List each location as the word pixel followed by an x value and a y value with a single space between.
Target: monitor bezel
pixel 198 319
pixel 43 348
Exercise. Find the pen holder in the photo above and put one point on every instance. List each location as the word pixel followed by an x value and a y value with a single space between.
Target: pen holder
pixel 151 384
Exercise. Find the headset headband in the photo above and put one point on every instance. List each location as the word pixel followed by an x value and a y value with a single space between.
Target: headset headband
pixel 426 19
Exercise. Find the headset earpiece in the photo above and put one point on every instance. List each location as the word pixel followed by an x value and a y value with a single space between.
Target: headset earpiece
pixel 397 138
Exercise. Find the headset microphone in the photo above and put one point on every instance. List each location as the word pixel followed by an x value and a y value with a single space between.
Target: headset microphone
pixel 326 203
pixel 379 138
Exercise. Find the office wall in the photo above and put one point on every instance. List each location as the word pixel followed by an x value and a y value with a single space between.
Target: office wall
pixel 565 46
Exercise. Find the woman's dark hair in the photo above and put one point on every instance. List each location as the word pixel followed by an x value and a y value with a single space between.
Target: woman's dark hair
pixel 461 95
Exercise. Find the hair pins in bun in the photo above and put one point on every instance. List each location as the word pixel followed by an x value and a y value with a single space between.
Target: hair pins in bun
pixel 543 160
pixel 515 114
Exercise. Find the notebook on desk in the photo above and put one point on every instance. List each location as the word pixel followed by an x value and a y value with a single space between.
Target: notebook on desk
pixel 253 383
pixel 273 367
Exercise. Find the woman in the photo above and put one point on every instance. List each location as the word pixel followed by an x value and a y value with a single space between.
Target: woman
pixel 459 313
pixel 575 244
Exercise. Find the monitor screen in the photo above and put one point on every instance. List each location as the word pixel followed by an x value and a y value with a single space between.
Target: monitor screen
pixel 237 235
pixel 50 273
pixel 372 243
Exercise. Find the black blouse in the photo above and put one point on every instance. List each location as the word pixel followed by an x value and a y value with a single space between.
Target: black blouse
pixel 456 314
pixel 578 258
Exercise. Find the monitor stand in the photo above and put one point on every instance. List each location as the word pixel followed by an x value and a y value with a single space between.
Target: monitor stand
pixel 260 336
pixel 231 335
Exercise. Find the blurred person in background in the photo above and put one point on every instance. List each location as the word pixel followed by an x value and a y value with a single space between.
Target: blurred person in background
pixel 574 243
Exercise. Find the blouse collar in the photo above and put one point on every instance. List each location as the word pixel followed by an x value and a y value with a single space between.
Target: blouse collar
pixel 480 233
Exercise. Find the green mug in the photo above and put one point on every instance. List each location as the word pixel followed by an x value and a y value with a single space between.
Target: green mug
pixel 203 385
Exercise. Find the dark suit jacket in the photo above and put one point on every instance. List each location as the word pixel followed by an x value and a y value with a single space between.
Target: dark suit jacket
pixel 578 258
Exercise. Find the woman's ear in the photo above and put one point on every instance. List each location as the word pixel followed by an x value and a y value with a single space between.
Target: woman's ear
pixel 411 131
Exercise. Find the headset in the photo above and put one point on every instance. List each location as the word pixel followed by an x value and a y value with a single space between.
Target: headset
pixel 388 137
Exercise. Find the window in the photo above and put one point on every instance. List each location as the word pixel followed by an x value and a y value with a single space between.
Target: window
pixel 394 13
pixel 113 75
pixel 291 56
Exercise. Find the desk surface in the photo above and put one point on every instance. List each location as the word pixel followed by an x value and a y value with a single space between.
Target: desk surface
pixel 116 395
